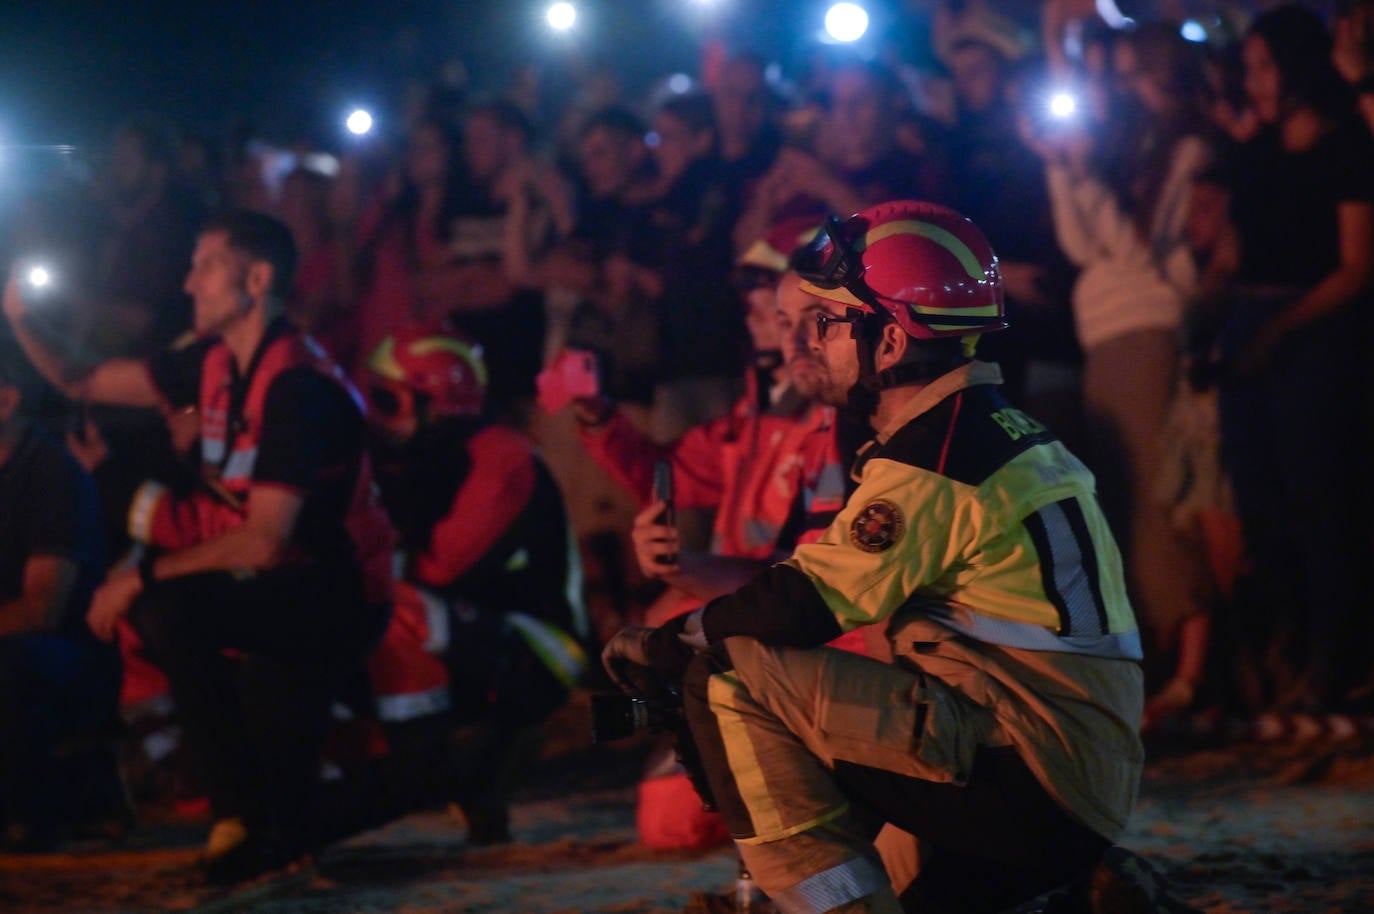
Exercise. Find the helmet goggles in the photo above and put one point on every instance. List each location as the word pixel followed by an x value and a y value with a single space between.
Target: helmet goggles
pixel 831 261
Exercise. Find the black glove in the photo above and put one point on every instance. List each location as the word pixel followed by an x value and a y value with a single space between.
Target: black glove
pixel 659 649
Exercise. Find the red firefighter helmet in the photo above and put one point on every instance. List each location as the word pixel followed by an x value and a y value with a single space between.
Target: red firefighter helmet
pixel 764 261
pixel 771 252
pixel 927 266
pixel 446 370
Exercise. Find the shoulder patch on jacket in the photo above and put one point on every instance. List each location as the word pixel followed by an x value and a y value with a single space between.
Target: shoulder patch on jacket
pixel 878 526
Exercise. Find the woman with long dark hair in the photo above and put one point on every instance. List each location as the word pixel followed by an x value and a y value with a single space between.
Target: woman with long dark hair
pixel 1294 394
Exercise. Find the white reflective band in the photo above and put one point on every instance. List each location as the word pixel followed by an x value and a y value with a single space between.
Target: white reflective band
pixel 831 888
pixel 412 705
pixel 1070 574
pixel 1031 637
pixel 555 647
pixel 438 632
pixel 142 509
pixel 240 465
pixel 212 449
pixel 161 743
pixel 581 624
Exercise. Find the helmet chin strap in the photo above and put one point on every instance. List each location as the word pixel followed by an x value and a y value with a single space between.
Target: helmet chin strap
pixel 922 364
pixel 867 333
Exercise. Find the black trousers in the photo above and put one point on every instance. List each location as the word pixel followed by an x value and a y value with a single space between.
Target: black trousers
pixel 995 842
pixel 254 662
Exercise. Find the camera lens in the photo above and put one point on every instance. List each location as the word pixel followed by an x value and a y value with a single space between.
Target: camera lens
pixel 617 716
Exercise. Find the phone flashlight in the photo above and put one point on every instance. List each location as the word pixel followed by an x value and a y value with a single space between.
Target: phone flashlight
pixel 1063 105
pixel 38 276
pixel 359 122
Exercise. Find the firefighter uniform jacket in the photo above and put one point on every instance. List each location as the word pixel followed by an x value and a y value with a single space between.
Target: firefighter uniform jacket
pixel 747 466
pixel 487 546
pixel 976 536
pixel 231 414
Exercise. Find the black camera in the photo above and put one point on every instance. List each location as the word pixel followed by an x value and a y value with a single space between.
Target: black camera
pixel 616 716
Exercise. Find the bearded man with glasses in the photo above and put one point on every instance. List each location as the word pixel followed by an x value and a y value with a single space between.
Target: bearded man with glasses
pixel 1004 734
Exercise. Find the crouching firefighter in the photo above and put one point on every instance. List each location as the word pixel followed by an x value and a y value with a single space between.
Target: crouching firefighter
pixel 1003 736
pixel 484 640
pixel 274 578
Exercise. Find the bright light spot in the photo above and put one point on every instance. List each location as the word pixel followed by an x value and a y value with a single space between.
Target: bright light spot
pixel 561 16
pixel 39 277
pixel 1063 105
pixel 679 84
pixel 359 122
pixel 846 21
pixel 1112 15
pixel 1193 31
pixel 321 163
pixel 652 139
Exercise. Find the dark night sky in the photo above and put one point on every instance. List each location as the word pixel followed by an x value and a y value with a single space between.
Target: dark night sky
pixel 70 70
pixel 77 67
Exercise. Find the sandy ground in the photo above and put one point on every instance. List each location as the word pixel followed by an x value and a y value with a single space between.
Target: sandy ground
pixel 1238 828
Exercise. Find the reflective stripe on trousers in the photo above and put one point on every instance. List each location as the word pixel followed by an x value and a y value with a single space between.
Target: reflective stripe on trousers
pixel 828 889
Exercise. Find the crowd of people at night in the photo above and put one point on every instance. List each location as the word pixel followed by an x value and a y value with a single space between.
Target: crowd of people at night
pixel 349 461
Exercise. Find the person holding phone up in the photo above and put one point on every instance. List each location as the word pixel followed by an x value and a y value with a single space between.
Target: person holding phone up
pixel 766 471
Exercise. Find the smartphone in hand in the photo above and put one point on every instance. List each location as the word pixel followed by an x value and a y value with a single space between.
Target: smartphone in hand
pixel 663 491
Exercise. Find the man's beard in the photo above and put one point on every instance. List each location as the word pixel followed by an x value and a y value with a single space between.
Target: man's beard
pixel 808 378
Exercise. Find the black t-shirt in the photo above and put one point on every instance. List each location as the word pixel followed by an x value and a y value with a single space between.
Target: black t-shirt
pixel 176 373
pixel 1284 204
pixel 311 442
pixel 48 506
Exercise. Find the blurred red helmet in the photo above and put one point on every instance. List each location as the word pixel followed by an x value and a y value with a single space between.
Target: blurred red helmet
pixel 446 370
pixel 771 252
pixel 927 266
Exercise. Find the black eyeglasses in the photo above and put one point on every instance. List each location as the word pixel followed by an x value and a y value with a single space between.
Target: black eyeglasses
pixel 853 317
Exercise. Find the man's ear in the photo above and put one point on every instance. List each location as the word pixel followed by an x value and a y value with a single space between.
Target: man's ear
pixel 891 346
pixel 259 279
